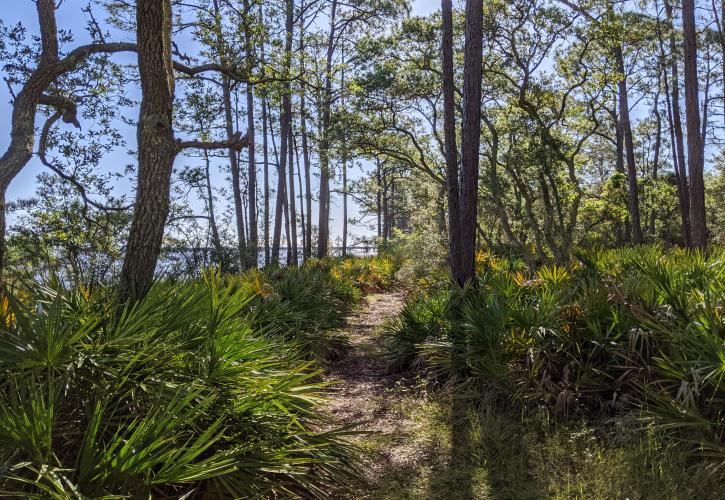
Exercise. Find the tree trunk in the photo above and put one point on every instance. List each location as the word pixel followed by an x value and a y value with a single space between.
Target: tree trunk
pixel 236 178
pixel 215 239
pixel 287 136
pixel 626 127
pixel 695 157
pixel 378 196
pixel 305 148
pixel 470 137
pixel 386 209
pixel 679 142
pixel 622 230
pixel 344 168
pixel 292 200
pixel 720 25
pixel 449 133
pixel 156 148
pixel 656 161
pixel 281 159
pixel 302 205
pixel 265 155
pixel 324 210
pixel 253 247
pixel 705 106
pixel 233 157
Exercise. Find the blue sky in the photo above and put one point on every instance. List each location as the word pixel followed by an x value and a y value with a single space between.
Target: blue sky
pixel 69 16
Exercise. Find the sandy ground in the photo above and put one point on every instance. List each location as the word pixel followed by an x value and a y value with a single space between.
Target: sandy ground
pixel 370 397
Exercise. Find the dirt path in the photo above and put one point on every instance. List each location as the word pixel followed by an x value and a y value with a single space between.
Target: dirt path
pixel 384 405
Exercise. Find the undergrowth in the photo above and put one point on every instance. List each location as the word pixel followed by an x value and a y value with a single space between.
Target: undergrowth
pixel 206 388
pixel 629 344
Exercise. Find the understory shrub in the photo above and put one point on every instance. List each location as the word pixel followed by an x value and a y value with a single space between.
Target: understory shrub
pixel 635 336
pixel 190 392
pixel 304 305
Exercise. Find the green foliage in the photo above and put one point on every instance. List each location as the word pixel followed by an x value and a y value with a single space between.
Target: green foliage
pixel 182 392
pixel 631 333
pixel 304 305
pixel 369 275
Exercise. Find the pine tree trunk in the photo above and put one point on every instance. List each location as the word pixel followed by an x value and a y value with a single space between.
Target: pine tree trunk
pixel 252 256
pixel 292 200
pixel 625 126
pixel 305 149
pixel 265 154
pixel 449 132
pixel 324 210
pixel 676 125
pixel 215 239
pixel 286 125
pixel 299 197
pixel 656 161
pixel 344 169
pixel 470 137
pixel 378 196
pixel 695 157
pixel 281 159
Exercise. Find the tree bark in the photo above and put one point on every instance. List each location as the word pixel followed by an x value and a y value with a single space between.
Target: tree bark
pixel 695 157
pixel 470 137
pixel 156 148
pixel 449 133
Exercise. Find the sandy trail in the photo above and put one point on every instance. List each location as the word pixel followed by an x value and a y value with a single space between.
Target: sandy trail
pixel 377 401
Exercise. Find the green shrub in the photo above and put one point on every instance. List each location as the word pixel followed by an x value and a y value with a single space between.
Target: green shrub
pixel 636 333
pixel 179 393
